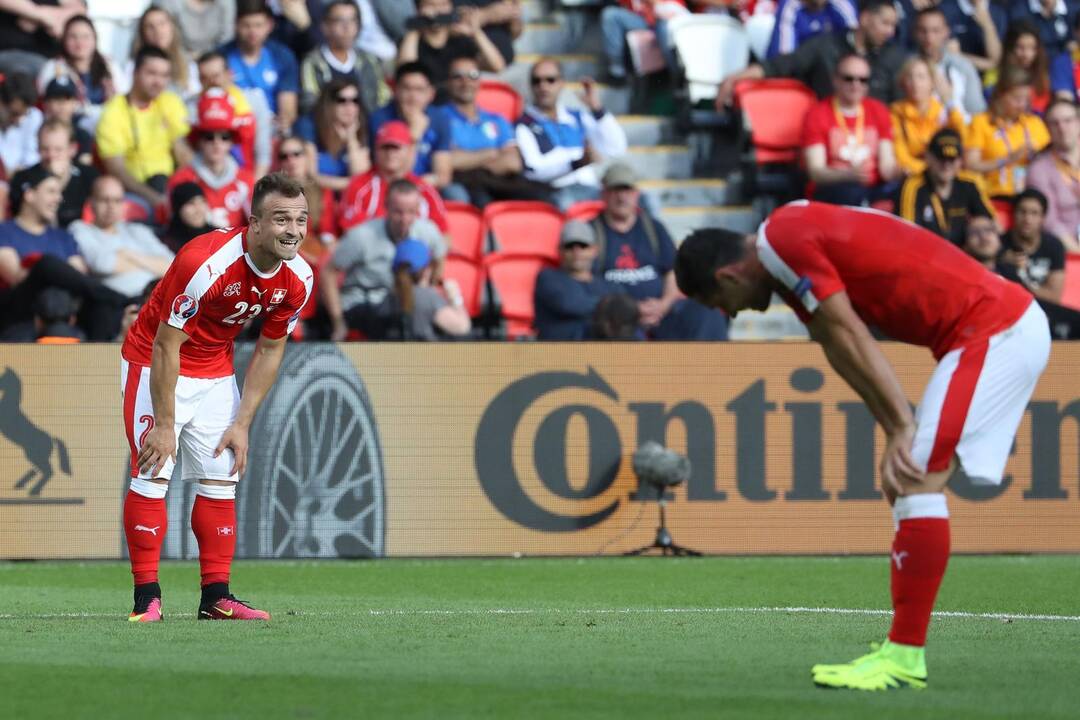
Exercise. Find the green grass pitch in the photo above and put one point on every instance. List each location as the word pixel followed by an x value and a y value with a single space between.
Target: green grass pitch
pixel 533 638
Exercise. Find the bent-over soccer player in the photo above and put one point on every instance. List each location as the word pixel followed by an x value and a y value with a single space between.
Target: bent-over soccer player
pixel 180 396
pixel 842 270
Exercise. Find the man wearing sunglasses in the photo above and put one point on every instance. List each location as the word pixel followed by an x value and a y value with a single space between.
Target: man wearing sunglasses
pixel 558 144
pixel 847 141
pixel 227 186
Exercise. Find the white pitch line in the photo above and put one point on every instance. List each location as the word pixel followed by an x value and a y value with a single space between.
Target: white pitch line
pixel 1003 616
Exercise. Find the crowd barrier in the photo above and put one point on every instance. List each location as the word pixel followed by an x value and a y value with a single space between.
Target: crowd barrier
pixel 458 449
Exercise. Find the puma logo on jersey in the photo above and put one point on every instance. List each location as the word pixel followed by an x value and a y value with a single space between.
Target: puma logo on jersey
pixel 258 292
pixel 898 558
pixel 151 530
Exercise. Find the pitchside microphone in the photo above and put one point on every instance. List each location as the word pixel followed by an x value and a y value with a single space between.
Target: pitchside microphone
pixel 656 465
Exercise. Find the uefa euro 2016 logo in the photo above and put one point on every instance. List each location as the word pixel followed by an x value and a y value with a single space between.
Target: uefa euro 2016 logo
pixel 184 306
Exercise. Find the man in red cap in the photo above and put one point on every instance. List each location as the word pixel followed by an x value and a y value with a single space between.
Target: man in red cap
pixel 227 186
pixel 365 197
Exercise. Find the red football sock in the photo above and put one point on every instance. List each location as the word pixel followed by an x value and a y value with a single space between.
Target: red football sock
pixel 919 555
pixel 145 521
pixel 214 524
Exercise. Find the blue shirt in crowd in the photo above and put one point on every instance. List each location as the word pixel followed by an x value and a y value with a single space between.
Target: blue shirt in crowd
pixel 326 163
pixel 431 142
pixel 275 72
pixel 796 23
pixel 1054 31
pixel 489 131
pixel 54 241
pixel 960 16
pixel 630 262
pixel 565 306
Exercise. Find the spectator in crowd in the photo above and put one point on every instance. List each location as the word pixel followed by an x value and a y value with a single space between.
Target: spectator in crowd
pixel 956 81
pixel 365 197
pixel 226 185
pixel 58 150
pixel 35 254
pixel 982 242
pixel 294 24
pixel 293 160
pixel 336 134
pixel 1051 19
pixel 124 256
pixel 799 20
pixel 617 317
pixel 141 135
pixel 942 198
pixel 1037 256
pixel 61 103
pixel 413 95
pixel 501 22
pixel 81 63
pixel 204 25
pixel 337 58
pixel 55 312
pixel 426 313
pixel 919 115
pixel 483 155
pixel 29 32
pixel 1051 75
pixel 815 61
pixel 847 141
pixel 438 34
pixel 1056 173
pixel 636 254
pixel 357 285
pixel 157 28
pixel 254 121
pixel 394 16
pixel 566 297
pixel 19 122
pixel 189 216
pixel 373 38
pixel 559 145
pixel 1002 141
pixel 260 63
pixel 977 26
pixel 618 19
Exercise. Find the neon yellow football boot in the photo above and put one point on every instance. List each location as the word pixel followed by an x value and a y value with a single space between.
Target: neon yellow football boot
pixel 890 667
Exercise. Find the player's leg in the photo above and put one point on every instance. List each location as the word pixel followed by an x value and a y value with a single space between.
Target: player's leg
pixel 145 517
pixel 213 516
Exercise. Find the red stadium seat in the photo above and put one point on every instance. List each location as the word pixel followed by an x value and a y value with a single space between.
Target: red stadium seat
pixel 500 98
pixel 525 227
pixel 774 111
pixel 513 277
pixel 1004 210
pixel 469 275
pixel 1071 296
pixel 466 230
pixel 585 210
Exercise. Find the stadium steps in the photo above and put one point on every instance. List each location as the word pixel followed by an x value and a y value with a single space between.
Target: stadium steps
pixel 550 37
pixel 648 129
pixel 681 221
pixel 689 192
pixel 661 162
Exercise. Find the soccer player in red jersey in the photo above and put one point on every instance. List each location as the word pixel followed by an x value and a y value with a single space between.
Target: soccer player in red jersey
pixel 180 395
pixel 843 269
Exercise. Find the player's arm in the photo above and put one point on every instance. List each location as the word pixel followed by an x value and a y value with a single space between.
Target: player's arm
pixel 160 442
pixel 261 373
pixel 855 355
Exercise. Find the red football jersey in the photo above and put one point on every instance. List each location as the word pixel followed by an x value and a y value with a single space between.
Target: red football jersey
pixel 911 284
pixel 229 203
pixel 365 199
pixel 210 291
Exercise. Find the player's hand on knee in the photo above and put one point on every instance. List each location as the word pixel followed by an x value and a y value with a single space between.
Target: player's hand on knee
pixel 235 438
pixel 898 468
pixel 158 446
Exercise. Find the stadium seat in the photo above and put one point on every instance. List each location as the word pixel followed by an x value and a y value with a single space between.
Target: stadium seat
pixel 759 28
pixel 1071 296
pixel 513 278
pixel 469 275
pixel 466 230
pixel 525 227
pixel 500 98
pixel 1003 209
pixel 773 112
pixel 710 47
pixel 585 210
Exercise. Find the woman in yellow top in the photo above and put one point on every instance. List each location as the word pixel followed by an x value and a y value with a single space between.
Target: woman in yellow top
pixel 1002 141
pixel 920 114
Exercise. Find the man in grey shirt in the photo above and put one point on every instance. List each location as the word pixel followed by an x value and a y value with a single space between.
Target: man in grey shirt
pixel 357 285
pixel 204 25
pixel 124 256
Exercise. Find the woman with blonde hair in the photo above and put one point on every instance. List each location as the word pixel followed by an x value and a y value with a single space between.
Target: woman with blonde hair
pixel 919 115
pixel 158 28
pixel 1001 141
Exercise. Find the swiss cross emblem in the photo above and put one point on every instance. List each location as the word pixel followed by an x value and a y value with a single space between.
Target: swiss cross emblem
pixel 277 296
pixel 227 530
